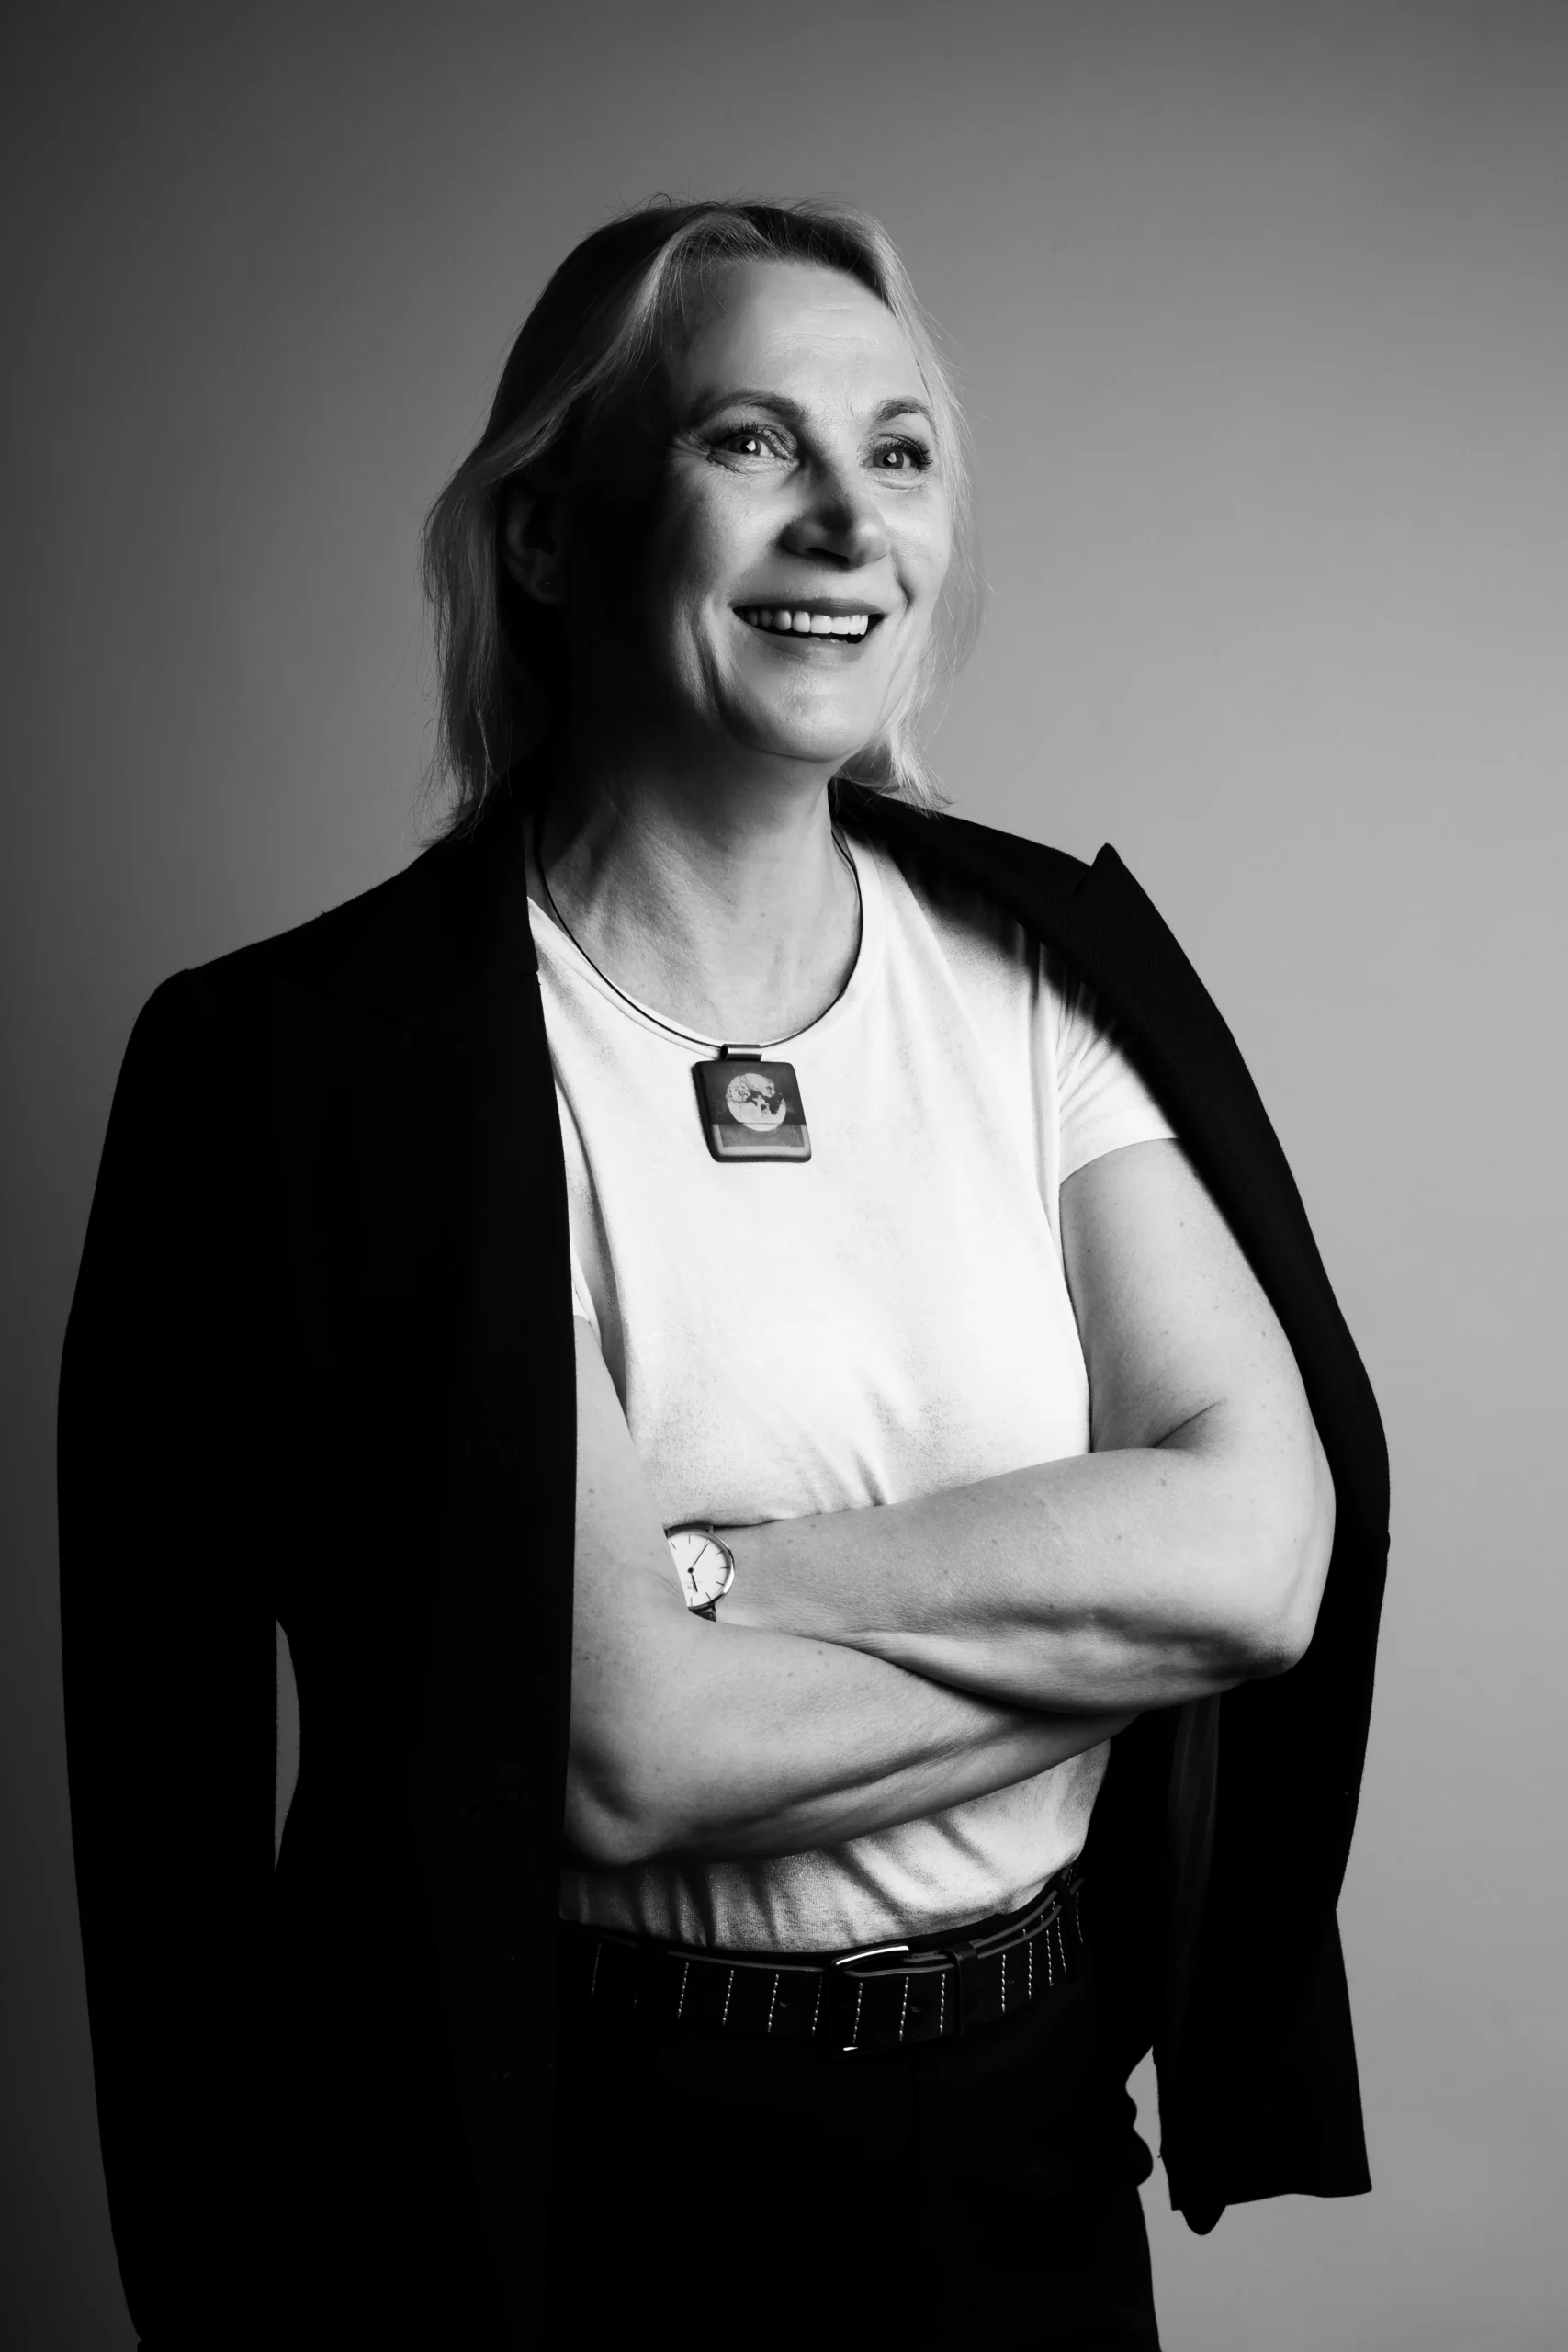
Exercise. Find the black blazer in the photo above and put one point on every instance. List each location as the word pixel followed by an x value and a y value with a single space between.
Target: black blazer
pixel 319 1369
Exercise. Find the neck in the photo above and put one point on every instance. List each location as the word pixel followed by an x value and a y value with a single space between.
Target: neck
pixel 718 900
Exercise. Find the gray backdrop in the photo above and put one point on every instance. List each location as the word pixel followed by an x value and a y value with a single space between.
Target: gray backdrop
pixel 1262 316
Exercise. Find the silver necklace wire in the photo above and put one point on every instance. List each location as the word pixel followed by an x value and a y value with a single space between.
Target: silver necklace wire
pixel 711 1044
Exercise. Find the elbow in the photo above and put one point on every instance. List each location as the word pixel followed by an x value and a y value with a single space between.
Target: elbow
pixel 611 1824
pixel 1268 1643
pixel 1284 1574
pixel 1264 1634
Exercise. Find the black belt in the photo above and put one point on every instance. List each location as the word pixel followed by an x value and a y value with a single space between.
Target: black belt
pixel 879 1998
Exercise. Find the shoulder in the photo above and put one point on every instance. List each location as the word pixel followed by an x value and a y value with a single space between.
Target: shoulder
pixel 410 950
pixel 941 850
pixel 1093 915
pixel 1097 928
pixel 406 917
pixel 233 1039
pixel 941 891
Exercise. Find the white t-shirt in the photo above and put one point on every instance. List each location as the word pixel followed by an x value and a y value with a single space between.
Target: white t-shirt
pixel 882 1321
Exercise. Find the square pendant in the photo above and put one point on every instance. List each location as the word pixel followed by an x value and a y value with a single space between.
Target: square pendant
pixel 751 1110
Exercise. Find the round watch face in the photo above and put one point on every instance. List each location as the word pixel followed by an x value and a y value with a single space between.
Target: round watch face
pixel 702 1564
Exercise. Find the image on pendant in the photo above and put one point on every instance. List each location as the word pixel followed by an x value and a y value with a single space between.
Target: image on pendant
pixel 751 1110
pixel 754 1101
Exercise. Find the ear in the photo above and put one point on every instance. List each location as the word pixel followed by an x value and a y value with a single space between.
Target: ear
pixel 533 542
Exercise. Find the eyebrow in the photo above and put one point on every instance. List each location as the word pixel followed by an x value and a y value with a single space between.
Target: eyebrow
pixel 782 405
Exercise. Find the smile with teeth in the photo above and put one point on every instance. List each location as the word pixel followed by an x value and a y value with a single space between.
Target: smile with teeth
pixel 801 620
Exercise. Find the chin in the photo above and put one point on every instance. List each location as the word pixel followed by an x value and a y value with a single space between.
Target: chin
pixel 819 739
pixel 803 751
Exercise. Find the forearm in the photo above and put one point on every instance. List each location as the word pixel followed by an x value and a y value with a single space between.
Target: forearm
pixel 715 1740
pixel 1132 1578
pixel 740 1743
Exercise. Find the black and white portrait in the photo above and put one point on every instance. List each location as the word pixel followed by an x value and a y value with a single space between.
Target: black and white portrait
pixel 785 846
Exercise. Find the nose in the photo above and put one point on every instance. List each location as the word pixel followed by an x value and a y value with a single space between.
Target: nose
pixel 840 520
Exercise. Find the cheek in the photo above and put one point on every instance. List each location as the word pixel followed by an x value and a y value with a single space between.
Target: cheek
pixel 723 539
pixel 928 552
pixel 706 537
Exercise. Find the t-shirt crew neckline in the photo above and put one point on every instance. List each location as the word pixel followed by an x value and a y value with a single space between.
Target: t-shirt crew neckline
pixel 868 957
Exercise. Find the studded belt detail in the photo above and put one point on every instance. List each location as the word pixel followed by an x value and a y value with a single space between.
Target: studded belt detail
pixel 879 1998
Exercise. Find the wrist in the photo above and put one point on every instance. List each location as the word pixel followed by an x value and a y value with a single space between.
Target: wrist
pixel 767 1597
pixel 745 1602
pixel 704 1564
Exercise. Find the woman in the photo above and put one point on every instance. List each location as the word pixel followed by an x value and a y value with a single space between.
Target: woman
pixel 877 1213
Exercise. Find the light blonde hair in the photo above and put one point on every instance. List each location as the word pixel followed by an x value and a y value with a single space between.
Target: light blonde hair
pixel 618 302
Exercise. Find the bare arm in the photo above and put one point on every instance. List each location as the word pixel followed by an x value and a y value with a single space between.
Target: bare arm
pixel 1184 1555
pixel 716 1741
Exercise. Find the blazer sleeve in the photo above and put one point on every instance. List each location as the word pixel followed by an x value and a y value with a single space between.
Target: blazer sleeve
pixel 167 1543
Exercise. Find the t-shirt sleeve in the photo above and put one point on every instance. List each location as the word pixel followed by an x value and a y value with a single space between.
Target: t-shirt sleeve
pixel 1103 1102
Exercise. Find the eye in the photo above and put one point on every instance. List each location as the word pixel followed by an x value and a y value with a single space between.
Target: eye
pixel 753 441
pixel 901 455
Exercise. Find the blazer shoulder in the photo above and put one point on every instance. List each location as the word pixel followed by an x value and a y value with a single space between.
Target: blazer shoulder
pixel 408 948
pixel 313 952
pixel 941 843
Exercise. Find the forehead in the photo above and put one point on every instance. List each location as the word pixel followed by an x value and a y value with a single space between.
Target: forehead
pixel 798 329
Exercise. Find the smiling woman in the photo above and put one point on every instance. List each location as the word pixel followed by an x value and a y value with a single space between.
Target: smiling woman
pixel 854 1478
pixel 638 310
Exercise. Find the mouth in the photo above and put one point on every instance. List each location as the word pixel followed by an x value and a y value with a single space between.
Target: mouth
pixel 851 624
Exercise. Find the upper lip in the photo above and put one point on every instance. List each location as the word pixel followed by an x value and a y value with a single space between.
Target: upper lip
pixel 840 608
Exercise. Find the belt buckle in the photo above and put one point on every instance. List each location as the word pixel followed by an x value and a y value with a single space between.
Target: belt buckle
pixel 841 1976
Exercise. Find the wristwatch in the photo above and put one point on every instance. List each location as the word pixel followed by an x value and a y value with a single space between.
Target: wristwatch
pixel 704 1564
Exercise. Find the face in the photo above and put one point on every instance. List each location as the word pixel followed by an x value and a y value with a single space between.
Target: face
pixel 768 571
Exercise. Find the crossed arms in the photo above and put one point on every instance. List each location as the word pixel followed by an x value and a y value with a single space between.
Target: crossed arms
pixel 872 1666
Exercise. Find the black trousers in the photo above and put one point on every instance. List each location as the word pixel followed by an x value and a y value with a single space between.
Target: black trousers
pixel 978 2194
